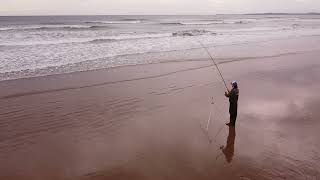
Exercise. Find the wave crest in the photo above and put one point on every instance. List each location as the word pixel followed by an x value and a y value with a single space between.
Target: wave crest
pixel 126 21
pixel 194 32
pixel 205 22
pixel 49 27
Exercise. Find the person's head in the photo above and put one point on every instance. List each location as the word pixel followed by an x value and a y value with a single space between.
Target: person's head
pixel 234 84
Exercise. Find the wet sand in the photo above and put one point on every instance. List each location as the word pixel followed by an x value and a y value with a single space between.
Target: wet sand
pixel 148 121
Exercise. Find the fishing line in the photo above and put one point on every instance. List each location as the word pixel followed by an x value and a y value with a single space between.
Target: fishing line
pixel 210 114
pixel 206 130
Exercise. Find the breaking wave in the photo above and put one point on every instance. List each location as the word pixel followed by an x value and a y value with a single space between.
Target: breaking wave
pixel 206 22
pixel 124 21
pixel 194 32
pixel 108 39
pixel 51 27
pixel 129 37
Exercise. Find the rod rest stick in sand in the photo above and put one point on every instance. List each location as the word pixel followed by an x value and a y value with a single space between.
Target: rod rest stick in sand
pixel 215 65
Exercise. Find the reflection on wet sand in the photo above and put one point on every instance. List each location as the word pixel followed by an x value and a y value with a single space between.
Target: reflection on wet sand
pixel 228 151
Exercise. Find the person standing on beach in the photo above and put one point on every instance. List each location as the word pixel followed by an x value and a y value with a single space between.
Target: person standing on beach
pixel 233 96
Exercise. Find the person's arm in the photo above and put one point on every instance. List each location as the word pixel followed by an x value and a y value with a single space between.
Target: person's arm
pixel 227 94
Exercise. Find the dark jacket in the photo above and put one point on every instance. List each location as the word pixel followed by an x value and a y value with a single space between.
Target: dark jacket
pixel 233 96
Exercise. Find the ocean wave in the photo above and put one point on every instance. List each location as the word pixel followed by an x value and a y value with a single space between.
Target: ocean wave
pixel 128 21
pixel 194 32
pixel 189 23
pixel 131 19
pixel 53 23
pixel 103 39
pixel 171 23
pixel 129 37
pixel 124 37
pixel 108 39
pixel 98 27
pixel 48 27
pixel 205 22
pixel 92 64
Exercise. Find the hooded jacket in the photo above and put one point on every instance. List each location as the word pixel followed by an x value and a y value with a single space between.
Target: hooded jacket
pixel 233 96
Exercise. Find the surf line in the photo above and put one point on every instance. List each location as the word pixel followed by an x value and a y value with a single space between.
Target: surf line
pixel 206 131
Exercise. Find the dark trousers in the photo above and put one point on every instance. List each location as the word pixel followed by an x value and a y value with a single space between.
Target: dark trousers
pixel 233 118
pixel 233 110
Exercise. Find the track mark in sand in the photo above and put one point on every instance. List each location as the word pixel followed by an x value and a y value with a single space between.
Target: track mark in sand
pixel 87 121
pixel 12 112
pixel 244 178
pixel 174 89
pixel 171 89
pixel 100 84
pixel 112 119
pixel 112 172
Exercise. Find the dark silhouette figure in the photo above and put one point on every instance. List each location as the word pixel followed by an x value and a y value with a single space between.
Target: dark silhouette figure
pixel 228 151
pixel 233 96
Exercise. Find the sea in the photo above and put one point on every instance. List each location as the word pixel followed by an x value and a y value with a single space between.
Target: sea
pixel 32 46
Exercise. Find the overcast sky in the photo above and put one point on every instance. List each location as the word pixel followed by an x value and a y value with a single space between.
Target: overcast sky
pixel 69 7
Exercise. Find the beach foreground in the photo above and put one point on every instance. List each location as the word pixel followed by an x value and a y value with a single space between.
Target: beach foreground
pixel 149 121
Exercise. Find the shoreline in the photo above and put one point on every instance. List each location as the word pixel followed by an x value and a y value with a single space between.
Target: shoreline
pixel 195 56
pixel 123 68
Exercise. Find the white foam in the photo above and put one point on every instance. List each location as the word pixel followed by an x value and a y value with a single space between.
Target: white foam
pixel 129 36
pixel 37 27
pixel 117 22
pixel 41 52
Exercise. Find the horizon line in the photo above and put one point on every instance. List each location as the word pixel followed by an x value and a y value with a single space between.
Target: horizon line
pixel 267 13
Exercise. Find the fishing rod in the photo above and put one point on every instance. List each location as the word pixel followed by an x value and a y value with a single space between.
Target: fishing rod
pixel 215 65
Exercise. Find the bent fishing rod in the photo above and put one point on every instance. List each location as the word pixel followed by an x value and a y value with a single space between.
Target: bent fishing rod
pixel 214 64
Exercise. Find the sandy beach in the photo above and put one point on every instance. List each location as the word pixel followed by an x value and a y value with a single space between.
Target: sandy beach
pixel 149 121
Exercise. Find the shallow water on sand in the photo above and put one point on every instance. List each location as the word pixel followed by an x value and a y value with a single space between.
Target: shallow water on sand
pixel 146 122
